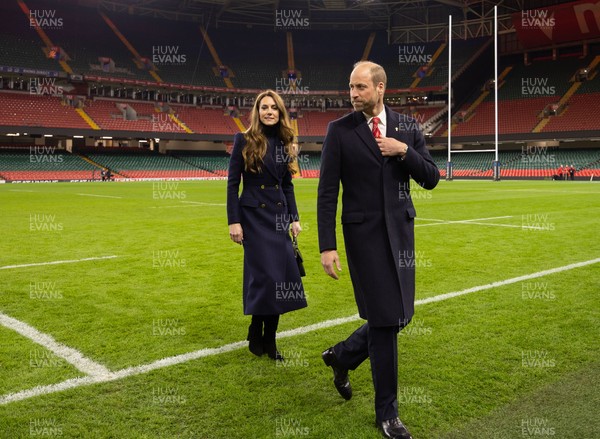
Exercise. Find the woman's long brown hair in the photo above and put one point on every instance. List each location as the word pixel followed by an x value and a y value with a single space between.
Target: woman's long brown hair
pixel 256 141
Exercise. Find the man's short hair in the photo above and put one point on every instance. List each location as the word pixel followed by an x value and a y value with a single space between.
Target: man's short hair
pixel 377 72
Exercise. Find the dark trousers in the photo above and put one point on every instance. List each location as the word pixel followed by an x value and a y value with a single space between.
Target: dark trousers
pixel 380 345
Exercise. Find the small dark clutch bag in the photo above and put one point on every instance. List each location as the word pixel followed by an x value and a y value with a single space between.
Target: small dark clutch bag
pixel 298 256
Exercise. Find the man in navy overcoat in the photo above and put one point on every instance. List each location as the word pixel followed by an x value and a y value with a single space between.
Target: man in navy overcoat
pixel 373 152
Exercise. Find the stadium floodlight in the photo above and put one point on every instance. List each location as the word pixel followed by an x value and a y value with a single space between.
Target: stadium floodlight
pixel 78 137
pixel 106 137
pixel 47 135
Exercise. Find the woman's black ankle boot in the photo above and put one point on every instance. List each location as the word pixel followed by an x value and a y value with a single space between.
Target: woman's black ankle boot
pixel 255 336
pixel 269 344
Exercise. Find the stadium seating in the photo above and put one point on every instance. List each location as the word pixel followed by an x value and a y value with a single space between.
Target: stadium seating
pixel 581 114
pixel 108 116
pixel 320 67
pixel 24 109
pixel 152 38
pixel 17 50
pixel 215 164
pixel 462 51
pixel 149 165
pixel 314 122
pixel 524 94
pixel 323 68
pixel 237 49
pixel 124 38
pixel 515 164
pixel 400 74
pixel 21 46
pixel 310 165
pixel 482 121
pixel 41 163
pixel 206 120
pixel 21 164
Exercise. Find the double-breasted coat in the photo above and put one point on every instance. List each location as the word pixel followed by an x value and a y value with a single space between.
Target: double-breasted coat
pixel 265 209
pixel 377 211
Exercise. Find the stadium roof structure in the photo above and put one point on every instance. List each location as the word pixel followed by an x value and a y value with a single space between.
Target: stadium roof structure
pixel 406 21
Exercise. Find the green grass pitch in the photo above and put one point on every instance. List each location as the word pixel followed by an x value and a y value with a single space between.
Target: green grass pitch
pixel 512 360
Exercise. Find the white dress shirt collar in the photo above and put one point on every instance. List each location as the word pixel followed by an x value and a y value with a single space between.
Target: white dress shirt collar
pixel 382 122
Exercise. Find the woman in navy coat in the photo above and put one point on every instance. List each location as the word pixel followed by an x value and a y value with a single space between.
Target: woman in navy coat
pixel 261 217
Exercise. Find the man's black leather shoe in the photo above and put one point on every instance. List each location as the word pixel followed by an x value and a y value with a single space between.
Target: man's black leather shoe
pixel 340 376
pixel 394 429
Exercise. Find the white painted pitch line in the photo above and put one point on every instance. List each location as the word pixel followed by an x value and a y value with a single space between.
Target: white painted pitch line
pixel 489 218
pixel 501 283
pixel 501 225
pixel 178 359
pixel 516 226
pixel 101 196
pixel 468 220
pixel 200 203
pixel 188 204
pixel 432 219
pixel 72 261
pixel 47 389
pixel 550 191
pixel 316 326
pixel 70 355
pixel 438 222
pixel 120 374
pixel 19 190
pixel 173 207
